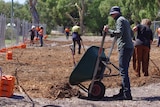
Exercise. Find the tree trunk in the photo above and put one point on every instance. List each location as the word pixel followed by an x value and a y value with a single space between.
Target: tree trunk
pixel 159 3
pixel 81 14
pixel 34 13
pixel 69 16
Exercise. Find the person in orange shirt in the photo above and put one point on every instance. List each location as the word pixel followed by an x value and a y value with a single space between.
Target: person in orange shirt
pixel 40 33
pixel 37 30
pixel 67 32
pixel 158 33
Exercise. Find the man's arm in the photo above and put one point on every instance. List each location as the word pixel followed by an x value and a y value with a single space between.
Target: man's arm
pixel 119 29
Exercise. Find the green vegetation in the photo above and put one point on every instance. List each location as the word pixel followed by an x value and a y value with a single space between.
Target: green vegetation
pixel 54 12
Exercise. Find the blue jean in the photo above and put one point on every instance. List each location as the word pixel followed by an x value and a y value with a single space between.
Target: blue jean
pixel 76 38
pixel 79 45
pixel 125 55
pixel 41 40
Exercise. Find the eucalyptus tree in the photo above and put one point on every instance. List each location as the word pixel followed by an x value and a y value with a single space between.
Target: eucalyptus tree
pixel 133 10
pixel 22 12
pixel 73 10
pixel 93 18
pixel 5 8
pixel 104 8
pixel 33 10
pixel 139 9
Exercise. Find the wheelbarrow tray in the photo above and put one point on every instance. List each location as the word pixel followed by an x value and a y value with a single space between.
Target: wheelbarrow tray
pixel 84 70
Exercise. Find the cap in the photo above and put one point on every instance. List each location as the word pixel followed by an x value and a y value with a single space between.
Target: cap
pixel 33 27
pixel 115 9
pixel 41 27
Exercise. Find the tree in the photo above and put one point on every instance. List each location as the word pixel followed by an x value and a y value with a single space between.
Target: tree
pixel 34 13
pixel 74 10
pixel 93 14
pixel 5 8
pixel 94 21
pixel 21 12
pixel 81 11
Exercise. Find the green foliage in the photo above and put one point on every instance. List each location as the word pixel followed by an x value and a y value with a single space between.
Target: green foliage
pixel 111 22
pixel 143 14
pixel 10 33
pixel 53 12
pixel 92 13
pixel 105 6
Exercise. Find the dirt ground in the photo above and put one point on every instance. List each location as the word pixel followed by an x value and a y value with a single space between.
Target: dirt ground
pixel 43 72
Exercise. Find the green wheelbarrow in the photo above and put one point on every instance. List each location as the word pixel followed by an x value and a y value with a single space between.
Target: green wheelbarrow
pixel 84 69
pixel 91 67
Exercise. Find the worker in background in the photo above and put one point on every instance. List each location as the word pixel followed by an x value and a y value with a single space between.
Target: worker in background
pixel 142 46
pixel 67 32
pixel 76 37
pixel 158 34
pixel 32 35
pixel 40 33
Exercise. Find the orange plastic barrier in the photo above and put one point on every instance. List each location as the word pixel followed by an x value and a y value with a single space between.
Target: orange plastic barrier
pixel 36 38
pixel 3 50
pixel 9 55
pixel 46 36
pixel 7 86
pixel 23 45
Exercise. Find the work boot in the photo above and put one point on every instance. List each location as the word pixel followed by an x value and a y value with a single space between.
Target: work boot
pixel 127 96
pixel 120 94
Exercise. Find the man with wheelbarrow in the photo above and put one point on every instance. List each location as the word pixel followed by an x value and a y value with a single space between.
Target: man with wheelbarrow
pixel 123 33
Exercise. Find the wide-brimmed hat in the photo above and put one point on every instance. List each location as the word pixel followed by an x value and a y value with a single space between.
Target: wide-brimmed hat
pixel 115 9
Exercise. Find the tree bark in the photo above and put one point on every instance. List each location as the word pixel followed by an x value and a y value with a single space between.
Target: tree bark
pixel 34 13
pixel 81 14
pixel 69 16
pixel 159 3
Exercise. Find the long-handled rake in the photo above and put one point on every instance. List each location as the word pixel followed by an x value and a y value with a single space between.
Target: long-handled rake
pixel 71 48
pixel 83 45
pixel 155 65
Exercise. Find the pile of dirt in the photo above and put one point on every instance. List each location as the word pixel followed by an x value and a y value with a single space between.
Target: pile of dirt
pixel 63 91
pixel 43 72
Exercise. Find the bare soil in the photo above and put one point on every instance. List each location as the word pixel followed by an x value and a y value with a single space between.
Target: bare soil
pixel 43 72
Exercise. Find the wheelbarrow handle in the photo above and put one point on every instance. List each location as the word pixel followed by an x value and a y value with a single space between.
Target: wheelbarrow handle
pixel 98 60
pixel 111 49
pixel 97 64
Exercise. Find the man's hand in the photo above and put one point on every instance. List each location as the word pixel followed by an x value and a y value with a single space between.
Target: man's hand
pixel 105 28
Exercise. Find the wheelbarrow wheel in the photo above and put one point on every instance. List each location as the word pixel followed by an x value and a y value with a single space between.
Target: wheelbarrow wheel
pixel 98 90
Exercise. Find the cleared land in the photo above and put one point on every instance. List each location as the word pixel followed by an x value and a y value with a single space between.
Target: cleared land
pixel 43 72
